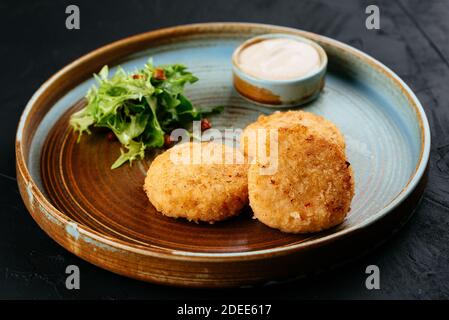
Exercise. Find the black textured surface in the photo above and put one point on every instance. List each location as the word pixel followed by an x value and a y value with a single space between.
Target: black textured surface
pixel 413 41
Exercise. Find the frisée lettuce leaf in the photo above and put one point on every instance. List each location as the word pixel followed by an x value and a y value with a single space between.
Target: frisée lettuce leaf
pixel 140 108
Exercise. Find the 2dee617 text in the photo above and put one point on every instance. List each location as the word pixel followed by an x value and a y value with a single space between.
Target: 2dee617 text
pixel 245 309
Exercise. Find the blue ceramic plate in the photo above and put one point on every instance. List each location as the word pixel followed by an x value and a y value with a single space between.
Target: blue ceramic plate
pixel 387 138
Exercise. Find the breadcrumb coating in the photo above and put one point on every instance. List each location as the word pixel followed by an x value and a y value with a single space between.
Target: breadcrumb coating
pixel 312 188
pixel 287 119
pixel 209 191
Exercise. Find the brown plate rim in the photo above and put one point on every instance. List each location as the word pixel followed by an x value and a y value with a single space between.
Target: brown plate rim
pixel 89 234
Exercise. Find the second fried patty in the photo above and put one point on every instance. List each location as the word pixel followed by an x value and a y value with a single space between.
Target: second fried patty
pixel 209 186
pixel 310 191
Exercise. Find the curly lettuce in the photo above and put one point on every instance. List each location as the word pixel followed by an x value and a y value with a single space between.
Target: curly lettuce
pixel 140 108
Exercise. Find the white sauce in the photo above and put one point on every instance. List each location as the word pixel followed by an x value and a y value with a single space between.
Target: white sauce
pixel 279 59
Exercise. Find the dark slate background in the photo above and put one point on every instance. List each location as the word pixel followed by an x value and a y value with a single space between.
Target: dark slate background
pixel 413 41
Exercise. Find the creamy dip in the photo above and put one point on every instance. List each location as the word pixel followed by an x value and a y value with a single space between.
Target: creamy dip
pixel 279 59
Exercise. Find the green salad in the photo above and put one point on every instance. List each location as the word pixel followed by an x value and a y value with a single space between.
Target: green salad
pixel 140 108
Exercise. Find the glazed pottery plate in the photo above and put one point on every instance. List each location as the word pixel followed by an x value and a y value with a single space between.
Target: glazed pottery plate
pixel 104 216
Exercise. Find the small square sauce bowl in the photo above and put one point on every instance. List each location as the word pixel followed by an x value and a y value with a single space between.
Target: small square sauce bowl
pixel 279 92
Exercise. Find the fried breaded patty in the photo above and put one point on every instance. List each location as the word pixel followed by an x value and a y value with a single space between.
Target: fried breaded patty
pixel 288 119
pixel 202 188
pixel 312 188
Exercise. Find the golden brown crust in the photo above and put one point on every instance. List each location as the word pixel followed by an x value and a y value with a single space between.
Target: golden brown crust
pixel 287 119
pixel 199 192
pixel 312 188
